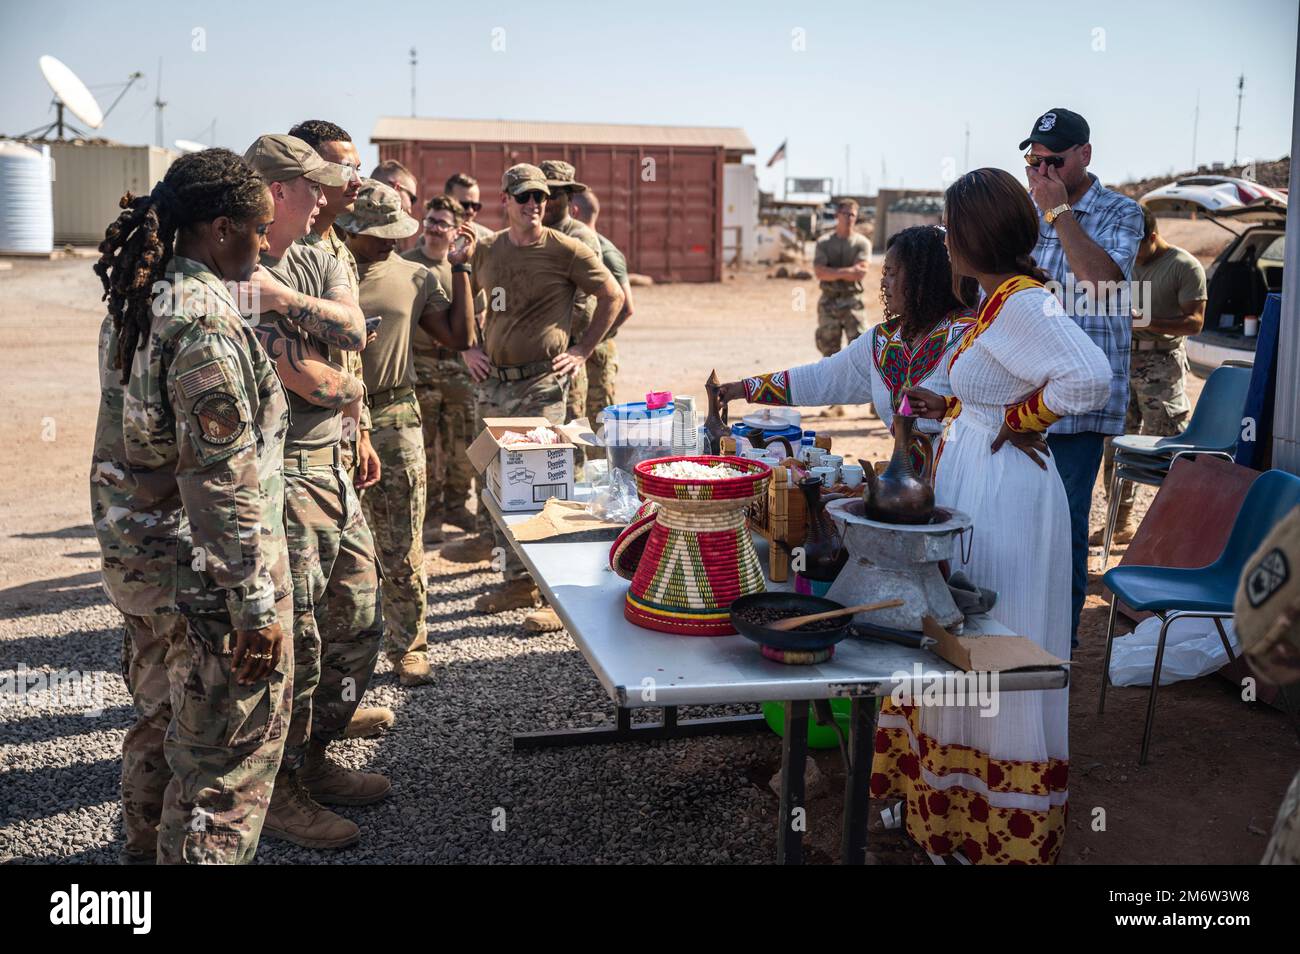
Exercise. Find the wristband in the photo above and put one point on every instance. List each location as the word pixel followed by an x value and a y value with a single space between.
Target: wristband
pixel 464 268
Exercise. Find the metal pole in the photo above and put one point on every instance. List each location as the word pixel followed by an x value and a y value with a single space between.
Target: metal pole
pixel 1286 399
pixel 1236 134
pixel 1196 121
pixel 413 62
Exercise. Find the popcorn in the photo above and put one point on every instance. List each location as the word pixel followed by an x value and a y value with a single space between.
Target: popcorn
pixel 538 435
pixel 691 470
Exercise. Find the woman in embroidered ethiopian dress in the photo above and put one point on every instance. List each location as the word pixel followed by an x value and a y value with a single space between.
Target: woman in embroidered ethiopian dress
pixel 911 347
pixel 995 787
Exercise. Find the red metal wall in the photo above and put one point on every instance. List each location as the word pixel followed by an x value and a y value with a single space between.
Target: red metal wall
pixel 668 226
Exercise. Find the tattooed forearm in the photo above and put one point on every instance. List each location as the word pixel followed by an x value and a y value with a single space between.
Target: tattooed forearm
pixel 336 390
pixel 335 322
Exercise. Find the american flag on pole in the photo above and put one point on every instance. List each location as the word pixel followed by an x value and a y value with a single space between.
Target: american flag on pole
pixel 778 155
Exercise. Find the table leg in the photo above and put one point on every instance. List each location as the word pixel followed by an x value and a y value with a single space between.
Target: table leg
pixel 857 787
pixel 793 818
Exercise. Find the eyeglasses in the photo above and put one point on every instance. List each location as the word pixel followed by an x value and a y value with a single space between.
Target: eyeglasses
pixel 534 195
pixel 1034 161
pixel 472 206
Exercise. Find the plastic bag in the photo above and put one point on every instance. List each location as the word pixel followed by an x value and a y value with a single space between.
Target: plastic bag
pixel 613 492
pixel 1192 649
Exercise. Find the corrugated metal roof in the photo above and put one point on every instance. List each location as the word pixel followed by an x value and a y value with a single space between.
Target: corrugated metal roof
pixel 405 129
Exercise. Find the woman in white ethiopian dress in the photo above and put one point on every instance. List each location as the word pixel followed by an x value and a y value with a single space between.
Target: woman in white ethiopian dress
pixel 924 321
pixel 994 786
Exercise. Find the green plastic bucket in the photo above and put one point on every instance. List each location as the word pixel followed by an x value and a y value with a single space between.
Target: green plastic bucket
pixel 819 736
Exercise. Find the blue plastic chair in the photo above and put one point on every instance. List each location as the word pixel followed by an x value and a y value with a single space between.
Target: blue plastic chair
pixel 1206 592
pixel 1214 429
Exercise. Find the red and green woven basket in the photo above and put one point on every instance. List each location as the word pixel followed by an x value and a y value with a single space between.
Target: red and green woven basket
pixel 697 556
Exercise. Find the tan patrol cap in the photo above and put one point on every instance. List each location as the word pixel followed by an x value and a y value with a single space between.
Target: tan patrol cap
pixel 1268 602
pixel 378 211
pixel 524 178
pixel 560 175
pixel 280 158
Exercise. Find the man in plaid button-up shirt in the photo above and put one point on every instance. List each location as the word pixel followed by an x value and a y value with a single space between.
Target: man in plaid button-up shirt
pixel 1087 241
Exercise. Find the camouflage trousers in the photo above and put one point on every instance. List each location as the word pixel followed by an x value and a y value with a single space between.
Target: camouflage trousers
pixel 1284 845
pixel 199 764
pixel 838 319
pixel 337 621
pixel 395 512
pixel 601 371
pixel 1157 405
pixel 447 406
pixel 542 396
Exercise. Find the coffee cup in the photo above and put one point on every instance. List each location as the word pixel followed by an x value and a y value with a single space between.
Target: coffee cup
pixel 827 475
pixel 851 475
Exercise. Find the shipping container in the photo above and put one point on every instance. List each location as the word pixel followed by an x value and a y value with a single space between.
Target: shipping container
pixel 660 187
pixel 90 178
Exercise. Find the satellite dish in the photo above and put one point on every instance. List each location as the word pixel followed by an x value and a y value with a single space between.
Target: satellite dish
pixel 189 145
pixel 71 92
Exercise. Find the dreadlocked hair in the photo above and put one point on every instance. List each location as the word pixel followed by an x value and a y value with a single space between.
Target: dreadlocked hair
pixel 137 247
pixel 928 293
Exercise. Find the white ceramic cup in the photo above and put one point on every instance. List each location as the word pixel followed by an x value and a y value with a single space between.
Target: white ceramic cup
pixel 832 460
pixel 811 456
pixel 827 474
pixel 851 475
pixel 1250 326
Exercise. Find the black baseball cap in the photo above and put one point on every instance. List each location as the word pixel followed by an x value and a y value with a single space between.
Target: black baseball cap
pixel 1058 129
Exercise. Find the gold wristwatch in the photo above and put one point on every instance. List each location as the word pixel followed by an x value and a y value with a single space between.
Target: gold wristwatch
pixel 1050 215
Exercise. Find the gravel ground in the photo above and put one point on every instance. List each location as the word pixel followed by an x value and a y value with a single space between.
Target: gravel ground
pixel 449 754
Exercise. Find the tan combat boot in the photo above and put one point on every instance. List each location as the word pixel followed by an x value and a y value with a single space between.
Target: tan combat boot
pixel 470 550
pixel 433 520
pixel 1125 527
pixel 413 669
pixel 369 721
pixel 332 784
pixel 543 620
pixel 461 518
pixel 295 817
pixel 517 594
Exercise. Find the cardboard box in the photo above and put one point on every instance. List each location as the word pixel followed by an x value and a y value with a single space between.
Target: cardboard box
pixel 523 477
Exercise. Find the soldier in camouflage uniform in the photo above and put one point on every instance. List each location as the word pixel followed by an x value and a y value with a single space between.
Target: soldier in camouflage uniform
pixel 1169 305
pixel 840 264
pixel 530 274
pixel 333 144
pixel 1267 623
pixel 443 385
pixel 401 294
pixel 306 306
pixel 602 366
pixel 464 189
pixel 560 177
pixel 187 499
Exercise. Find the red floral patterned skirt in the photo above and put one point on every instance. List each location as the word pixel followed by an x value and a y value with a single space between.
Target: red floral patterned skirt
pixel 984 814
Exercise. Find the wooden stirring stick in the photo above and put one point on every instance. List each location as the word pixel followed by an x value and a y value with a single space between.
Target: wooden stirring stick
pixel 794 622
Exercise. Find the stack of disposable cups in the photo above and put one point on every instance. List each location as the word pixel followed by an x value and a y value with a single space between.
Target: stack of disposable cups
pixel 686 431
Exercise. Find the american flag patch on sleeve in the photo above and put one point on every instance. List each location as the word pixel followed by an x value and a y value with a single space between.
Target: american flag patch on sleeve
pixel 201 379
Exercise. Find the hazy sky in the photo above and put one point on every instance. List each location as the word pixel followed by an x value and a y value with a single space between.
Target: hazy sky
pixel 896 82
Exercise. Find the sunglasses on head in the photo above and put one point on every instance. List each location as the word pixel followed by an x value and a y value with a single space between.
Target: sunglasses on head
pixel 533 195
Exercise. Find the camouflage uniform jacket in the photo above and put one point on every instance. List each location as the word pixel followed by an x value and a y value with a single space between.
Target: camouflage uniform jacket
pixel 187 489
pixel 584 305
pixel 350 361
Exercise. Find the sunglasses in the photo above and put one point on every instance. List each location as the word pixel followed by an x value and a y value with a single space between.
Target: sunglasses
pixel 1034 161
pixel 439 225
pixel 523 198
pixel 472 206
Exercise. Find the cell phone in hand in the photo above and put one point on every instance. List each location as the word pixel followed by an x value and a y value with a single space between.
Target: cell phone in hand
pixel 372 324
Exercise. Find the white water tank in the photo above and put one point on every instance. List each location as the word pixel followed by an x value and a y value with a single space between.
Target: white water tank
pixel 26 200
